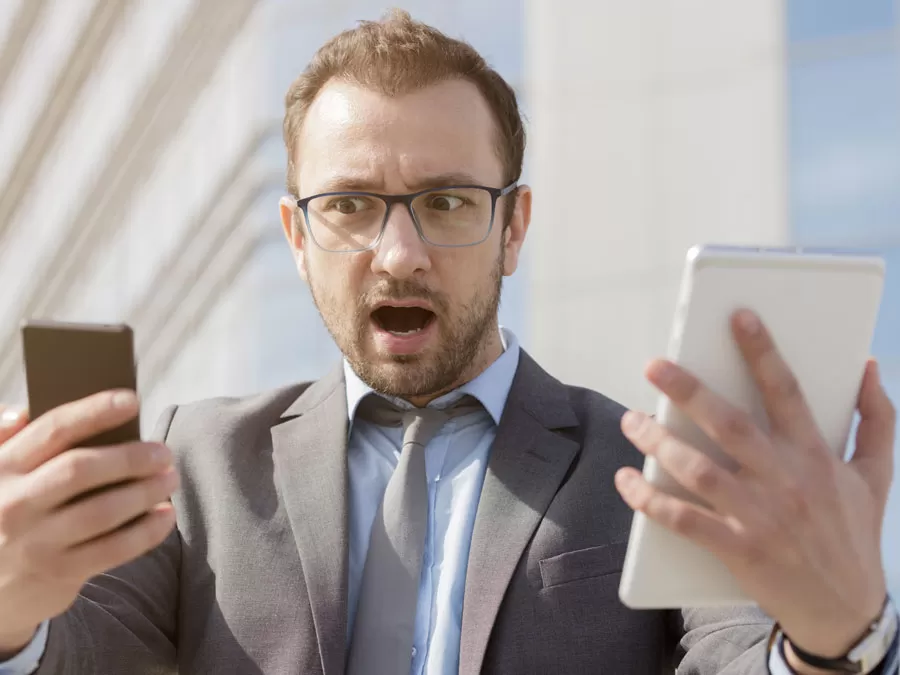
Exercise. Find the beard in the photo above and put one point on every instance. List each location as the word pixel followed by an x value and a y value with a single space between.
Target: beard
pixel 463 332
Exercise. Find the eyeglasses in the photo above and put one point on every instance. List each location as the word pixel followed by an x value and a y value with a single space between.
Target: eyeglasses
pixel 453 216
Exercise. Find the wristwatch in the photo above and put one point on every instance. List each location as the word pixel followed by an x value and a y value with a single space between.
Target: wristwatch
pixel 864 657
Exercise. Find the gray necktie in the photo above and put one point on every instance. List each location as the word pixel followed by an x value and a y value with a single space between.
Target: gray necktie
pixel 385 618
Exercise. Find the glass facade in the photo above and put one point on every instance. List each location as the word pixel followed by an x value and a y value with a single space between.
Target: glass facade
pixel 844 160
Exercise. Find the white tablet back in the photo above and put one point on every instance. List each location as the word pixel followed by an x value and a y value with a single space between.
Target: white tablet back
pixel 821 309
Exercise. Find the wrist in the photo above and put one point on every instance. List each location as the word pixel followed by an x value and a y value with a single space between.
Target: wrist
pixel 13 642
pixel 863 657
pixel 837 639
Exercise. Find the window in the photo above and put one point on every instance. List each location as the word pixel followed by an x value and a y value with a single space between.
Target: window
pixel 844 157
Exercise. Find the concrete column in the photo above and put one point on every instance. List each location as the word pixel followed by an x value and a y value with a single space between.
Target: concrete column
pixel 656 124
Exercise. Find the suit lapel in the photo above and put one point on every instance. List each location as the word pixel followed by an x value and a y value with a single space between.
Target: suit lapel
pixel 528 463
pixel 310 456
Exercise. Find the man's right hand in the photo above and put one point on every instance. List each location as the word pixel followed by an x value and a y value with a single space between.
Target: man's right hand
pixel 53 537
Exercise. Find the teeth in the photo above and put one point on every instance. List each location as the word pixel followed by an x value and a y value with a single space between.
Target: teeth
pixel 404 332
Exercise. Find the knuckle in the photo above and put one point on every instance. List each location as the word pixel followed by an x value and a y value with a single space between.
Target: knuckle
pixel 735 427
pixel 785 385
pixel 56 432
pixel 795 502
pixel 706 476
pixel 682 519
pixel 685 387
pixel 77 469
pixel 12 515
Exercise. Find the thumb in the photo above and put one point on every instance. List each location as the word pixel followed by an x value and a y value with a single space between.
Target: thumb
pixel 12 421
pixel 873 456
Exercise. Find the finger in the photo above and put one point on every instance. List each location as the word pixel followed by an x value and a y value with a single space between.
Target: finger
pixel 122 546
pixel 102 513
pixel 731 429
pixel 66 426
pixel 693 470
pixel 874 451
pixel 692 522
pixel 12 421
pixel 73 472
pixel 783 399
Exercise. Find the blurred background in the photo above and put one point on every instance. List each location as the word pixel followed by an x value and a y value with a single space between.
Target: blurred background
pixel 141 165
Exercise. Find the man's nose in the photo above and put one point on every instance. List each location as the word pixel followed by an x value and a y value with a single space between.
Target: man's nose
pixel 401 251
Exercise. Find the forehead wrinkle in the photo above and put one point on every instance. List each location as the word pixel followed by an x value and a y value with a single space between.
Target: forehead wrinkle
pixel 394 143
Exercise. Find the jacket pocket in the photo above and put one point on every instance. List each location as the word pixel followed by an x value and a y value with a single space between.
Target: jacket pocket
pixel 585 563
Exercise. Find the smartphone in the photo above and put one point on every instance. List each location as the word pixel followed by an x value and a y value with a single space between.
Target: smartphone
pixel 821 307
pixel 65 362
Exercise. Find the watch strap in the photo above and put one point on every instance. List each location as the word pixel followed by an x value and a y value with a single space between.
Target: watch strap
pixel 839 665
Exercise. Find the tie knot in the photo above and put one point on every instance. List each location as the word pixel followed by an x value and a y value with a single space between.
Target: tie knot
pixel 378 410
pixel 419 424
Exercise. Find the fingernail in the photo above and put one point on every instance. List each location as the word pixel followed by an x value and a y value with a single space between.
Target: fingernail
pixel 631 421
pixel 10 418
pixel 124 399
pixel 748 322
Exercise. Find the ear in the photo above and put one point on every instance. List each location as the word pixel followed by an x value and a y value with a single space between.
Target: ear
pixel 293 232
pixel 514 236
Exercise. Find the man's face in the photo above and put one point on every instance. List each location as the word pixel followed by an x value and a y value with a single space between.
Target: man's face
pixel 413 320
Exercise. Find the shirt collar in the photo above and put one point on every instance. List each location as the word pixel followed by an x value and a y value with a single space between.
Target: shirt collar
pixel 491 387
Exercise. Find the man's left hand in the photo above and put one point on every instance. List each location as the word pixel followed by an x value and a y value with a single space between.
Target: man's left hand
pixel 798 527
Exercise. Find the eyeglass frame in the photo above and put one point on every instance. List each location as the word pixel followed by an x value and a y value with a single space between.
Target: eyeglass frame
pixel 406 200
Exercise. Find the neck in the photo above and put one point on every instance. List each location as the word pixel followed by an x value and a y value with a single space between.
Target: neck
pixel 491 350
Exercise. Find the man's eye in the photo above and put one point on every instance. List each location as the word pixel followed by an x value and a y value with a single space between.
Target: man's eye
pixel 445 202
pixel 348 205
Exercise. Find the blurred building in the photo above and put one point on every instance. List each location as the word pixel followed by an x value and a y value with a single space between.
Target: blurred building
pixel 141 165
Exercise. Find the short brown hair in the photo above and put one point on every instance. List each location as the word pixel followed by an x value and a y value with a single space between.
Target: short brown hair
pixel 398 55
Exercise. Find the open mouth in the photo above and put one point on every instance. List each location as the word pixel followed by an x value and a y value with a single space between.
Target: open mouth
pixel 402 321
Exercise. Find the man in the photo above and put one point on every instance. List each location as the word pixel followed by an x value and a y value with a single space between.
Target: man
pixel 438 504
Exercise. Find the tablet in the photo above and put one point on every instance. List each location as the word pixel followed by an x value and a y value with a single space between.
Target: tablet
pixel 821 308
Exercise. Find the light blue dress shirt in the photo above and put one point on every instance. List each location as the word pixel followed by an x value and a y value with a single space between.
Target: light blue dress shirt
pixel 455 464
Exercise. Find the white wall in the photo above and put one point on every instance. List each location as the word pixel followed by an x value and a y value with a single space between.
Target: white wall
pixel 656 125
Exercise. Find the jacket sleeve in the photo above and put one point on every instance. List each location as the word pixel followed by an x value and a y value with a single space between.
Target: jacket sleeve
pixel 123 621
pixel 721 641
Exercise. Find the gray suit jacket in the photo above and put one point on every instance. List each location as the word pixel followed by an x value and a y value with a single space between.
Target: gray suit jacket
pixel 254 580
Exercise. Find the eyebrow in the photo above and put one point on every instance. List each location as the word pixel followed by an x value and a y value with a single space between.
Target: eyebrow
pixel 357 184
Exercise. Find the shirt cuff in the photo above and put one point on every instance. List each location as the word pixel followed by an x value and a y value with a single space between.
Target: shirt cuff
pixel 28 660
pixel 890 665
